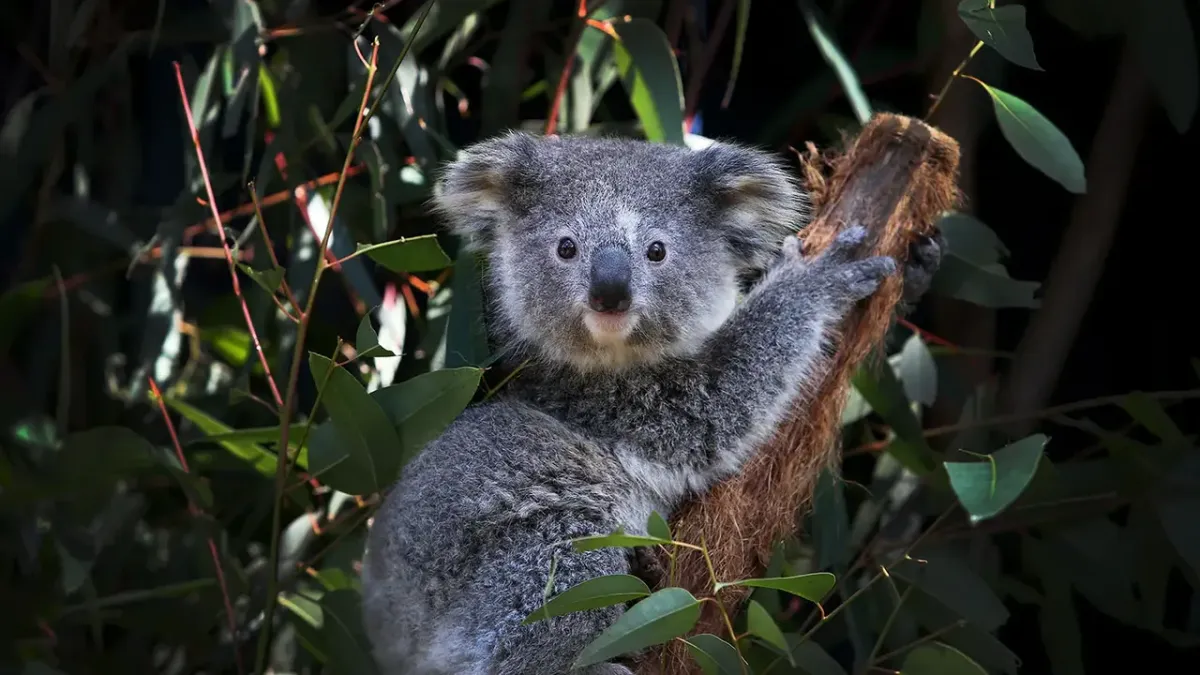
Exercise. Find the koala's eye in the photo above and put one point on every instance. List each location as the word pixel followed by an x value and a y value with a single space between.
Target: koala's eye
pixel 566 248
pixel 656 252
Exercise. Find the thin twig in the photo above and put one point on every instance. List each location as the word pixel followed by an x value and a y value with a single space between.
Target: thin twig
pixel 364 115
pixel 572 46
pixel 212 203
pixel 195 511
pixel 937 100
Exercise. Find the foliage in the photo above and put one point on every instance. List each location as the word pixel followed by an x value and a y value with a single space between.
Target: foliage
pixel 201 432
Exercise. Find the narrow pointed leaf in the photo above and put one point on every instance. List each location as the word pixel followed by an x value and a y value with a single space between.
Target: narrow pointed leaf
pixel 656 526
pixel 837 60
pixel 939 659
pixel 715 656
pixel 420 408
pixel 650 72
pixel 616 540
pixel 812 587
pixel 739 45
pixel 1037 140
pixel 760 624
pixel 268 279
pixel 664 616
pixel 363 444
pixel 366 340
pixel 411 254
pixel 603 591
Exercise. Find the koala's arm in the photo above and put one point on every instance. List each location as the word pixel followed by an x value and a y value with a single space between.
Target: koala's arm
pixel 773 348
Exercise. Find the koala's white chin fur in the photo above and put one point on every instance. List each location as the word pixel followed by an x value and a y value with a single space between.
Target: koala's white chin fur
pixel 610 330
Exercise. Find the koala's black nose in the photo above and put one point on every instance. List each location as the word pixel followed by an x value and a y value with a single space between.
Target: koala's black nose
pixel 611 275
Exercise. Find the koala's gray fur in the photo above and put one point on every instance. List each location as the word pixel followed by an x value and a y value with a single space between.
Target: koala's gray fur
pixel 601 427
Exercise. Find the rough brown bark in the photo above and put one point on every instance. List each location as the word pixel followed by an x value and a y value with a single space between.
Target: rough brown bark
pixel 897 176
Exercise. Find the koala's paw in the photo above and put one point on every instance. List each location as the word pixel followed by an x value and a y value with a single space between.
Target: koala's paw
pixel 924 259
pixel 644 564
pixel 850 279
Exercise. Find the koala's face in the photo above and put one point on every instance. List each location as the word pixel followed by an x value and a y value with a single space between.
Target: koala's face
pixel 606 253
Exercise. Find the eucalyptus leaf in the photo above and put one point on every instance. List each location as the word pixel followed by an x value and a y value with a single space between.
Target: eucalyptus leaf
pixel 1037 140
pixel 411 254
pixel 813 587
pixel 651 75
pixel 1001 28
pixel 359 440
pixel 939 659
pixel 604 591
pixel 662 617
pixel 986 488
pixel 616 540
pixel 366 340
pixel 715 656
pixel 760 624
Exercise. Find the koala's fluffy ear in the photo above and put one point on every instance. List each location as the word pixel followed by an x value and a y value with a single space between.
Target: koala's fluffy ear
pixel 759 200
pixel 486 185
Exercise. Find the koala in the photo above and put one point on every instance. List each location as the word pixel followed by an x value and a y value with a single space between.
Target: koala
pixel 614 273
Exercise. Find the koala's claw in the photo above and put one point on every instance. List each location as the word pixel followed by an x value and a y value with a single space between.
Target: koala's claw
pixel 861 278
pixel 846 244
pixel 924 259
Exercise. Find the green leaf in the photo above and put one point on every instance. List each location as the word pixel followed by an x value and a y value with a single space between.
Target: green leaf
pixel 269 279
pixel 466 329
pixel 258 435
pixel 950 578
pixel 1002 29
pixel 238 444
pixel 420 408
pixel 812 659
pixel 739 45
pixel 651 76
pixel 366 340
pixel 973 641
pixel 411 254
pixel 841 66
pixel 715 656
pixel 939 659
pixel 362 448
pixel 1037 140
pixel 883 391
pixel 987 488
pixel 830 523
pixel 1057 618
pixel 1150 414
pixel 970 239
pixel 987 286
pixel 918 372
pixel 656 526
pixel 616 540
pixel 664 616
pixel 1162 37
pixel 605 591
pixel 813 587
pixel 760 624
pixel 349 651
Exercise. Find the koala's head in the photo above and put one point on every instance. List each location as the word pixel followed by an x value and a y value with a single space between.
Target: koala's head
pixel 607 253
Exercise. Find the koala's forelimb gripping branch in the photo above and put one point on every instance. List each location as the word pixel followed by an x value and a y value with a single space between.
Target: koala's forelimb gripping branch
pixel 897 177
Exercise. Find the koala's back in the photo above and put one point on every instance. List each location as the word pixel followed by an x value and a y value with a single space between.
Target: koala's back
pixel 489 503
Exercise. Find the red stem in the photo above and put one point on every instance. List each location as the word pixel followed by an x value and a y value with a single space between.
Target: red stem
pixel 195 511
pixel 212 204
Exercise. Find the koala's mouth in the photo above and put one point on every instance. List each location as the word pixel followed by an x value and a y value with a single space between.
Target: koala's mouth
pixel 609 327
